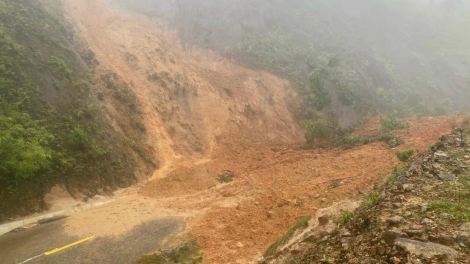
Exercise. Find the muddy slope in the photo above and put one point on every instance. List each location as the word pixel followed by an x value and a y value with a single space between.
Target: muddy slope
pixel 190 104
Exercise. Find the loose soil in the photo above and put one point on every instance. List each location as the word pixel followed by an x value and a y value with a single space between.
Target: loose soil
pixel 205 115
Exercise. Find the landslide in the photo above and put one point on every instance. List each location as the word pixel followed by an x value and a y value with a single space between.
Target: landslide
pixel 190 103
pixel 204 115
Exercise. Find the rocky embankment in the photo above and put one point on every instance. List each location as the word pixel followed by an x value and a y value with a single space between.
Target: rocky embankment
pixel 420 215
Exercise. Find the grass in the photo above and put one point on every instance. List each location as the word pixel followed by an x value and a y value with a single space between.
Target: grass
pixel 373 198
pixel 391 123
pixel 281 241
pixel 454 199
pixel 344 218
pixel 404 156
pixel 325 259
pixel 459 211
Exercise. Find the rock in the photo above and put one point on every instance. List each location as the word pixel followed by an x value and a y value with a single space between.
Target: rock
pixel 323 220
pixel 440 155
pixel 428 250
pixel 447 240
pixel 381 249
pixel 424 207
pixel 256 203
pixel 395 220
pixel 395 260
pixel 445 216
pixel 416 227
pixel 345 240
pixel 343 232
pixel 463 237
pixel 465 227
pixel 427 221
pixel 313 238
pixel 408 187
pixel 397 205
pixel 446 177
pixel 415 232
pixel 390 235
pixel 269 214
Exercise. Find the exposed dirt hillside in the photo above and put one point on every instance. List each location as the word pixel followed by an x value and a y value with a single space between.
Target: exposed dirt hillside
pixel 190 104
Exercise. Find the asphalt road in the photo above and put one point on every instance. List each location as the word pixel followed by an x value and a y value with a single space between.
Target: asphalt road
pixel 16 247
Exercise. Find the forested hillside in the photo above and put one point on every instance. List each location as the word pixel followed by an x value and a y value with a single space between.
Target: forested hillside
pixel 348 59
pixel 52 128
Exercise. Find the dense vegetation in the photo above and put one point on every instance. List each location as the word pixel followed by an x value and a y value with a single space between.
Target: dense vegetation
pixel 348 59
pixel 50 130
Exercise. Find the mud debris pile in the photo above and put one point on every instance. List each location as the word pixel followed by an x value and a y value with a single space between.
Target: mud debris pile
pixel 421 214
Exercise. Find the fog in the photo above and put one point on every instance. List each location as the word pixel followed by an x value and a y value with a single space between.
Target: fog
pixel 406 57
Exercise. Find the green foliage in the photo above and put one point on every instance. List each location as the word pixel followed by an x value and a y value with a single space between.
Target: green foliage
pixel 373 198
pixel 24 146
pixel 404 156
pixel 49 130
pixel 60 67
pixel 324 259
pixel 281 241
pixel 80 140
pixel 391 123
pixel 317 129
pixel 344 218
pixel 226 177
pixel 459 212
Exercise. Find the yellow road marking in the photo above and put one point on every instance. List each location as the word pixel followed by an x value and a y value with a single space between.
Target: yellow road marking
pixel 68 246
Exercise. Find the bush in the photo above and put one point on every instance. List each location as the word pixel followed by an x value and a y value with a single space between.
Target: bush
pixel 344 218
pixel 226 177
pixel 317 129
pixel 405 155
pixel 391 123
pixel 24 146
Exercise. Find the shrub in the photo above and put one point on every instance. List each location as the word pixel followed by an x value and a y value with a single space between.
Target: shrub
pixel 405 155
pixel 374 198
pixel 317 129
pixel 24 146
pixel 344 218
pixel 391 123
pixel 226 177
